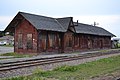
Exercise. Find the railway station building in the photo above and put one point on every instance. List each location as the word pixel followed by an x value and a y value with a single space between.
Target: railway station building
pixel 41 34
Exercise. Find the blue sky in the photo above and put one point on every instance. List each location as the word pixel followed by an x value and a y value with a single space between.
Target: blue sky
pixel 104 12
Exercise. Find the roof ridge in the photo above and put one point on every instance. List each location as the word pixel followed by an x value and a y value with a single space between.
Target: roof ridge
pixel 36 15
pixel 89 25
pixel 64 17
pixel 95 30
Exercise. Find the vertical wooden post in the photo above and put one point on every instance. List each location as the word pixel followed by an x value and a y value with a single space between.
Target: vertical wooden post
pixel 47 41
pixel 62 42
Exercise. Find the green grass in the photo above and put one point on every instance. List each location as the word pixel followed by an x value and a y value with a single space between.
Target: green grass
pixel 25 78
pixel 79 72
pixel 104 51
pixel 119 45
pixel 16 55
pixel 108 50
pixel 8 45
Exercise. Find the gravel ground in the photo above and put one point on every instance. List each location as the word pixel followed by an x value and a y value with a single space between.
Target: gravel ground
pixel 43 56
pixel 30 70
pixel 4 49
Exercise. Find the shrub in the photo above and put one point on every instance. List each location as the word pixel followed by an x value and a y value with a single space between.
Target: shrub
pixel 67 68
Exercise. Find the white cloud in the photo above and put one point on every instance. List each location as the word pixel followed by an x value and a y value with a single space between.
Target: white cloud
pixel 108 22
pixel 101 19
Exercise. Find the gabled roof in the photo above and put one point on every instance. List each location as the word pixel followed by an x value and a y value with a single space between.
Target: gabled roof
pixel 43 23
pixel 94 30
pixel 64 22
pixel 56 24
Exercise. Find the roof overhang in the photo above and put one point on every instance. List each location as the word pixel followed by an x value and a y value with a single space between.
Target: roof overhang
pixel 14 23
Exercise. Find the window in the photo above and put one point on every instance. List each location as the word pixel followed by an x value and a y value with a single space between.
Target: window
pixel 20 41
pixel 29 41
pixel 52 40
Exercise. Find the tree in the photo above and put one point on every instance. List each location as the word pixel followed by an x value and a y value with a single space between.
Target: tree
pixel 2 33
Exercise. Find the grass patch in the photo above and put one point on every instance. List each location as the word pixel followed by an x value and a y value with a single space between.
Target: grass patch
pixel 108 50
pixel 104 51
pixel 16 55
pixel 118 45
pixel 67 68
pixel 79 72
pixel 8 45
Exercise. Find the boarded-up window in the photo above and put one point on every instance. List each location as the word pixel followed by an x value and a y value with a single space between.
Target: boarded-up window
pixel 95 42
pixel 89 43
pixel 42 38
pixel 20 41
pixel 59 41
pixel 29 41
pixel 106 41
pixel 76 42
pixel 52 40
pixel 83 41
pixel 69 41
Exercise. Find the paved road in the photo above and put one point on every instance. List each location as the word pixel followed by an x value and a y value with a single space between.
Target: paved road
pixel 6 49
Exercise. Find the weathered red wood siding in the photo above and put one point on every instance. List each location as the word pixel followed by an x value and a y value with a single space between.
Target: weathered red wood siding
pixel 68 41
pixel 49 41
pixel 87 42
pixel 57 42
pixel 25 28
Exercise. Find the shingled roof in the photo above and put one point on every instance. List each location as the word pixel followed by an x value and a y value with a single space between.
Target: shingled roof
pixel 58 24
pixel 64 22
pixel 43 23
pixel 93 30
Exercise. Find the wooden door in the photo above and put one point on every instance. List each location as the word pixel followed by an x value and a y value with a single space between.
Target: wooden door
pixel 101 44
pixel 42 42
